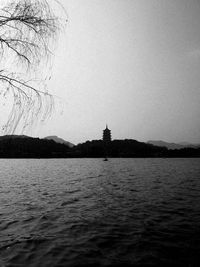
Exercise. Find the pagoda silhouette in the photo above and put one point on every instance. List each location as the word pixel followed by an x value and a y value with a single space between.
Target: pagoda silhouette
pixel 107 135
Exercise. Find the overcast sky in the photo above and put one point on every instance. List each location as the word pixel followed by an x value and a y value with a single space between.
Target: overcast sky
pixel 133 64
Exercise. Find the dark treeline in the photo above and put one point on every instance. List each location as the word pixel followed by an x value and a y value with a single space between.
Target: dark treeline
pixel 118 148
pixel 130 148
pixel 28 147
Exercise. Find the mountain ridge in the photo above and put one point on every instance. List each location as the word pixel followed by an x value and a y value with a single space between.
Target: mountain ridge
pixel 172 145
pixel 59 140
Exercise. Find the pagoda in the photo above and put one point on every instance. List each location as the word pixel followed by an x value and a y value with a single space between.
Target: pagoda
pixel 106 135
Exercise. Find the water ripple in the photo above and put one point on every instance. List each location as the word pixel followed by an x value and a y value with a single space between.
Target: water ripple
pixel 83 212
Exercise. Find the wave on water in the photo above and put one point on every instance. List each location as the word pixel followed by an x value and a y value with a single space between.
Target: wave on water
pixel 86 212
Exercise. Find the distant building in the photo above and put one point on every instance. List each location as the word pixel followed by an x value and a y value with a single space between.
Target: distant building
pixel 106 134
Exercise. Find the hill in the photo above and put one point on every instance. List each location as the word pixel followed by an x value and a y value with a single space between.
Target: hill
pixel 172 145
pixel 19 146
pixel 59 140
pixel 165 144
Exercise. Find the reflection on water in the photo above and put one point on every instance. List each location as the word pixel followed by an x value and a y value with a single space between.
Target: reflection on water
pixel 86 212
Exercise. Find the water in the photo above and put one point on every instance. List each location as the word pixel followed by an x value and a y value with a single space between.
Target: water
pixel 87 212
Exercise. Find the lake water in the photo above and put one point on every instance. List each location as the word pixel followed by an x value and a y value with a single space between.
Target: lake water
pixel 88 212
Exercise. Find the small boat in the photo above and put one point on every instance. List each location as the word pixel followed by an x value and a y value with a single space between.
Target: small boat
pixel 105 159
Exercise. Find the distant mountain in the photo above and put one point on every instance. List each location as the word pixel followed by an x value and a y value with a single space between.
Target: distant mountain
pixel 172 145
pixel 186 144
pixel 59 140
pixel 165 144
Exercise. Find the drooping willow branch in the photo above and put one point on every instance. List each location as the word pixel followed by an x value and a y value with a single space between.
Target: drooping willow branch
pixel 29 104
pixel 28 29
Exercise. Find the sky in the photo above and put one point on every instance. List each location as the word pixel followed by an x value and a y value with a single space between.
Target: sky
pixel 133 64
